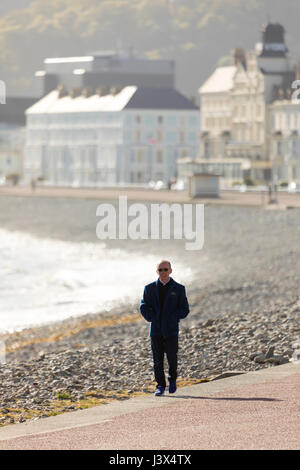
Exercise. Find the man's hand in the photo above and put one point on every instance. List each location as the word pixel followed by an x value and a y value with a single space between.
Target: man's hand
pixel 146 308
pixel 183 307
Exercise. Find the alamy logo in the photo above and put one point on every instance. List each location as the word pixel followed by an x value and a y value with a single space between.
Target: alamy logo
pixel 296 93
pixel 136 221
pixel 2 92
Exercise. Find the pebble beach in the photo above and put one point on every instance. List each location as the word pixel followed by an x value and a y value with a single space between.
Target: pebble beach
pixel 244 301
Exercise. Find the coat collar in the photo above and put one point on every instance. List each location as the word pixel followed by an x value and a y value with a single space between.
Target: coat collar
pixel 170 281
pixel 168 291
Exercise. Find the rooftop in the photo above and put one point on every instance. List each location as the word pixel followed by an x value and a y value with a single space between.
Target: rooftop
pixel 129 97
pixel 159 98
pixel 220 81
pixel 13 112
pixel 273 44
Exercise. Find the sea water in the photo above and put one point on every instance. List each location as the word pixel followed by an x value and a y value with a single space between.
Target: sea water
pixel 43 280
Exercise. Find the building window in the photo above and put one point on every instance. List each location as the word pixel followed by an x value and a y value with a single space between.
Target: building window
pixel 159 136
pixel 171 137
pixel 181 137
pixel 192 121
pixel 138 136
pixel 259 110
pixel 149 120
pixel 139 177
pixel 138 119
pixel 170 120
pixel 139 156
pixel 294 148
pixel 243 134
pixel 128 120
pixel 159 156
pixel 206 149
pixel 160 119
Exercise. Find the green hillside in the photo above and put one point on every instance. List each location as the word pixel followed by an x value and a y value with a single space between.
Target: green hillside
pixel 196 33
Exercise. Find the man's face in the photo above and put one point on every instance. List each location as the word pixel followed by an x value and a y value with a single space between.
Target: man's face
pixel 164 271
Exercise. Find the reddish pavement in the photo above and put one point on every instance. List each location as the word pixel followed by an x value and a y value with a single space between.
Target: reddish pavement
pixel 264 415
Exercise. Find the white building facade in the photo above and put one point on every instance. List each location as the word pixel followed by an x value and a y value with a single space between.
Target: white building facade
pixel 12 141
pixel 130 135
pixel 235 105
pixel 284 137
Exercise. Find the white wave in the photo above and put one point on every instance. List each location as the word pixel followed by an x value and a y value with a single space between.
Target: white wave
pixel 45 280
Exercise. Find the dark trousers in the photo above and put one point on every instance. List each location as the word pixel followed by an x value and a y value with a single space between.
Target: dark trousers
pixel 159 346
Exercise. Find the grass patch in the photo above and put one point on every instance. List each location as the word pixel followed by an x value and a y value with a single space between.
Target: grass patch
pixel 63 396
pixel 16 413
pixel 66 332
pixel 64 402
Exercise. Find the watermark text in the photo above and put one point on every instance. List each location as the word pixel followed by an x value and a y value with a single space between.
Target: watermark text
pixel 138 221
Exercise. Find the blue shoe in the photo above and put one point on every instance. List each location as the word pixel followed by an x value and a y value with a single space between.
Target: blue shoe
pixel 159 391
pixel 172 387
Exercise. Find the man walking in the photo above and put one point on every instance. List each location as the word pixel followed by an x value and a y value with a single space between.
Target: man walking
pixel 164 304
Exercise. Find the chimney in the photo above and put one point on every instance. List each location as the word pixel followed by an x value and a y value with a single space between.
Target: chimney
pixel 75 92
pixel 275 93
pixel 115 89
pixel 62 90
pixel 238 56
pixel 298 71
pixel 87 92
pixel 102 90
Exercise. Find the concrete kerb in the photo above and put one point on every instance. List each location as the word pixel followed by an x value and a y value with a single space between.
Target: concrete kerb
pixel 102 413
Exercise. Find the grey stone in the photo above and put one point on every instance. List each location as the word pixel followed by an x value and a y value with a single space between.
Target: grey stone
pixel 273 360
pixel 270 352
pixel 260 359
pixel 229 373
pixel 254 355
pixel 284 360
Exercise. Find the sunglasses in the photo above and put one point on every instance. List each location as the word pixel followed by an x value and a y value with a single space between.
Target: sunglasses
pixel 163 269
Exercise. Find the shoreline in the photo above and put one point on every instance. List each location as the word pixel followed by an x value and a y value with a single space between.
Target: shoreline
pixel 91 360
pixel 244 311
pixel 227 197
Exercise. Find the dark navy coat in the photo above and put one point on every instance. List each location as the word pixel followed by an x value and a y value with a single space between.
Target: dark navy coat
pixel 175 308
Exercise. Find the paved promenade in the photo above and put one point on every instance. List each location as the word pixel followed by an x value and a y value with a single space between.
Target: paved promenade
pixel 257 410
pixel 258 199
